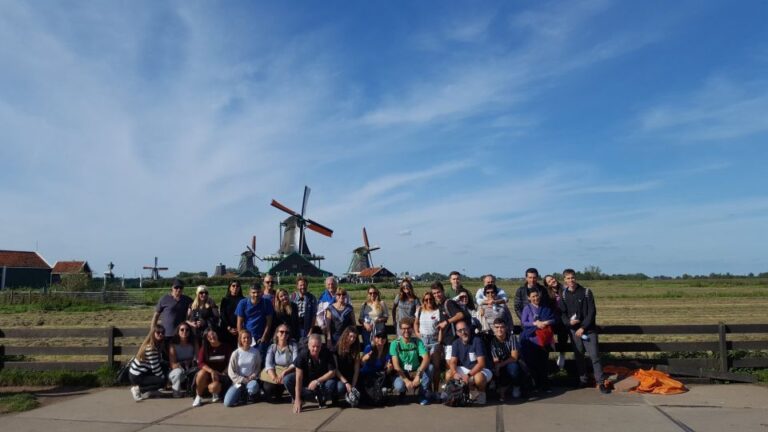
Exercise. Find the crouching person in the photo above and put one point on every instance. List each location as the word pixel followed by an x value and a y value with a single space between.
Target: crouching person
pixel 315 369
pixel 410 361
pixel 212 361
pixel 146 374
pixel 244 367
pixel 505 354
pixel 468 363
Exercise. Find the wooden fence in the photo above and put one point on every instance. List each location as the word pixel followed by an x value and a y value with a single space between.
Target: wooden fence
pixel 709 351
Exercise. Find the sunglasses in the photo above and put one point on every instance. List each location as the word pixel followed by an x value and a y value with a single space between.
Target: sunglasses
pixel 269 282
pixel 183 330
pixel 178 288
pixel 281 332
pixel 203 293
pixel 157 332
pixel 373 293
pixel 462 330
pixel 490 292
pixel 339 295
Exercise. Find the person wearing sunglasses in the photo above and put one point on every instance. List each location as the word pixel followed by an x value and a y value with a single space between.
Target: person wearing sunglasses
pixel 489 310
pixel 269 287
pixel 146 374
pixel 228 317
pixel 172 308
pixel 373 315
pixel 182 353
pixel 338 316
pixel 203 312
pixel 425 324
pixel 468 362
pixel 279 363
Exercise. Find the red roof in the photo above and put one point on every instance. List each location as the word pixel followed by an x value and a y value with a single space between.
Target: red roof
pixel 370 271
pixel 22 259
pixel 69 267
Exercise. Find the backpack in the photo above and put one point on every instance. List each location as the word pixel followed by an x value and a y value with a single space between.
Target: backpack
pixel 372 388
pixel 456 393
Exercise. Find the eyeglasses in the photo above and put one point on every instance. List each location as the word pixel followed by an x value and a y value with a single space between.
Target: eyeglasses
pixel 405 329
pixel 159 332
pixel 462 330
pixel 203 293
pixel 183 330
pixel 490 293
pixel 269 282
pixel 339 295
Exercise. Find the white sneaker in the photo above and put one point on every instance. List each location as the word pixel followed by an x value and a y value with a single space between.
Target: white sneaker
pixel 214 397
pixel 197 402
pixel 136 393
pixel 146 395
pixel 516 392
pixel 561 361
pixel 480 399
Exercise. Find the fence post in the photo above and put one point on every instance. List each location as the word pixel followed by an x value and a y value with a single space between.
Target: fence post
pixel 110 346
pixel 723 345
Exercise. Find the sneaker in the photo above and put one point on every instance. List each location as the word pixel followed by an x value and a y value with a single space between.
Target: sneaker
pixel 136 393
pixel 214 397
pixel 424 402
pixel 320 401
pixel 480 399
pixel 197 402
pixel 604 389
pixel 146 395
pixel 561 361
pixel 516 392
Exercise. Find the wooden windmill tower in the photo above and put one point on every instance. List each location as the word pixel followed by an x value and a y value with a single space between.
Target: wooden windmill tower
pixel 293 244
pixel 361 256
pixel 155 270
pixel 247 267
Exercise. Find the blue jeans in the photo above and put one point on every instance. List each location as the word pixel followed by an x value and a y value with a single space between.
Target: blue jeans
pixel 399 384
pixel 512 373
pixel 235 393
pixel 325 390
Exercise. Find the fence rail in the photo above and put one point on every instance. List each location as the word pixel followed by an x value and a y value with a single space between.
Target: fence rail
pixel 717 363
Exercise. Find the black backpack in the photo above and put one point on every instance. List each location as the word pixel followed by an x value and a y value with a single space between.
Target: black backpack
pixel 372 384
pixel 456 393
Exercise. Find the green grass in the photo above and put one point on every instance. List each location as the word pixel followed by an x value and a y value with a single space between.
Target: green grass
pixel 102 377
pixel 17 402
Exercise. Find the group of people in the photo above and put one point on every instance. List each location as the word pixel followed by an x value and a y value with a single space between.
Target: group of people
pixel 317 350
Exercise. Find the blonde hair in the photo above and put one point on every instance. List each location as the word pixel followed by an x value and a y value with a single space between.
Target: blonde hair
pixel 149 341
pixel 209 303
pixel 283 308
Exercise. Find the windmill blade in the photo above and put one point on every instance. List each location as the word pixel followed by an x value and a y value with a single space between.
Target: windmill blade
pixel 148 268
pixel 320 229
pixel 162 268
pixel 307 190
pixel 365 239
pixel 253 244
pixel 283 208
pixel 371 249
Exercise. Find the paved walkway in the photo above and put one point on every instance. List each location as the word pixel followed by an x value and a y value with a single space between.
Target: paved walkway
pixel 733 407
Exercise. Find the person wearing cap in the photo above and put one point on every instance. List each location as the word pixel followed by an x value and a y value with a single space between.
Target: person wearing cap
pixel 410 362
pixel 171 310
pixel 255 314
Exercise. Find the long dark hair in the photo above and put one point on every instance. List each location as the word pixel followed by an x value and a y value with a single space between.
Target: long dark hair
pixel 346 348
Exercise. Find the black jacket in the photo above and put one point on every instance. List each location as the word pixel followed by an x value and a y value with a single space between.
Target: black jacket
pixel 521 298
pixel 580 302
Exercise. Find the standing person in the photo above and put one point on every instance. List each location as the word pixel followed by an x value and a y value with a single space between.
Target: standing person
pixel 203 313
pixel 171 309
pixel 531 284
pixel 269 287
pixel 501 295
pixel 255 314
pixel 468 362
pixel 505 354
pixel 536 338
pixel 306 307
pixel 410 362
pixel 450 314
pixel 146 374
pixel 338 316
pixel 326 300
pixel 554 290
pixel 314 377
pixel 285 313
pixel 406 303
pixel 373 315
pixel 228 323
pixel 279 363
pixel 489 310
pixel 425 324
pixel 244 367
pixel 212 361
pixel 455 279
pixel 182 353
pixel 347 357
pixel 579 315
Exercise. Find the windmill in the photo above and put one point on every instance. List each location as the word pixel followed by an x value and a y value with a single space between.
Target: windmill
pixel 293 243
pixel 247 267
pixel 155 270
pixel 361 256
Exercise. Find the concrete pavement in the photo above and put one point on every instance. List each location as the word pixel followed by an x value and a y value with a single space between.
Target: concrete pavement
pixel 739 407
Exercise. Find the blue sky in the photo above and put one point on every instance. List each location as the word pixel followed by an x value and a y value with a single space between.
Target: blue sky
pixel 478 136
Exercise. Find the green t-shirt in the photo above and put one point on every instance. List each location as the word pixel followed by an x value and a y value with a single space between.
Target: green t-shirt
pixel 409 354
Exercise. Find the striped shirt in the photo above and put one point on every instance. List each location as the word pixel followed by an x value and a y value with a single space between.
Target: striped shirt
pixel 150 365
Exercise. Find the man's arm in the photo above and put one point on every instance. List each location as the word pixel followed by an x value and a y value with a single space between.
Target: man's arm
pixel 240 322
pixel 155 317
pixel 297 390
